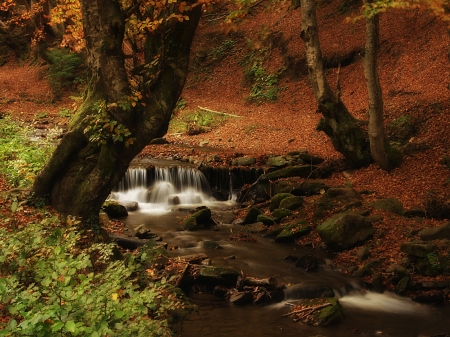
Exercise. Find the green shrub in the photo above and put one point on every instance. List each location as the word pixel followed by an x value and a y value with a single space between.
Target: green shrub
pixel 22 155
pixel 50 286
pixel 264 84
pixel 65 69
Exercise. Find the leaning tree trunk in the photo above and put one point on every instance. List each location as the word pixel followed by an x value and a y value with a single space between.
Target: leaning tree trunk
pixel 377 136
pixel 346 135
pixel 84 168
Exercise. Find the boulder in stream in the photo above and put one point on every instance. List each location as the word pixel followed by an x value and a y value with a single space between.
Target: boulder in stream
pixel 114 209
pixel 198 220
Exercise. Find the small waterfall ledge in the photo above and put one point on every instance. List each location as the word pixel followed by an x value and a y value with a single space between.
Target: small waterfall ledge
pixel 159 188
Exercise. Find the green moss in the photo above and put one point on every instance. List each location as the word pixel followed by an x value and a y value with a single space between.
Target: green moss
pixel 276 200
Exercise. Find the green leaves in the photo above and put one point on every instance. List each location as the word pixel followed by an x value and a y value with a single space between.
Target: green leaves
pixel 102 127
pixel 49 287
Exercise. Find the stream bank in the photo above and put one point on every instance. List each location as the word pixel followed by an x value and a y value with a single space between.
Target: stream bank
pixel 248 256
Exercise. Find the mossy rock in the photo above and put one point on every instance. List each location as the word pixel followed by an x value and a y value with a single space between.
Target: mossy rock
pixel 293 231
pixel 276 200
pixel 430 265
pixel 245 161
pixel 331 314
pixel 291 203
pixel 299 188
pixel 343 195
pixel 402 285
pixel 389 205
pixel 266 220
pixel 278 161
pixel 114 209
pixel 416 249
pixel 218 276
pixel 438 233
pixel 310 159
pixel 345 230
pixel 367 269
pixel 198 220
pixel 251 216
pixel 280 213
pixel 302 171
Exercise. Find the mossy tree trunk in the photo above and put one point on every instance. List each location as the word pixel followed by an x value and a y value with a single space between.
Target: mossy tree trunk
pixel 346 135
pixel 377 136
pixel 82 172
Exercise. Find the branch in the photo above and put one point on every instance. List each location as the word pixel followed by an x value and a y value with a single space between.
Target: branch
pixel 219 113
pixel 312 309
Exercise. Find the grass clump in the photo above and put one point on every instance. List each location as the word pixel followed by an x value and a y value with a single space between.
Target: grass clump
pixel 21 153
pixel 196 122
pixel 264 85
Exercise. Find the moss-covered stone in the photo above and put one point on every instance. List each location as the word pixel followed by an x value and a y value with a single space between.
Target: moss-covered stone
pixel 218 275
pixel 367 269
pixel 251 216
pixel 299 188
pixel 114 209
pixel 280 213
pixel 402 285
pixel 291 203
pixel 293 231
pixel 429 265
pixel 437 233
pixel 331 314
pixel 345 230
pixel 416 249
pixel 276 200
pixel 302 171
pixel 197 220
pixel 245 161
pixel 278 161
pixel 389 205
pixel 266 220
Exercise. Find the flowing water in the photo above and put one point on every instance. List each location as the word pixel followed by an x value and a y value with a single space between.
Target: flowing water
pixel 166 193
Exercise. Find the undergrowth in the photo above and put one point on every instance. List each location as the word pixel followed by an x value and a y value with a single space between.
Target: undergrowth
pixel 264 85
pixel 65 69
pixel 51 286
pixel 195 122
pixel 22 154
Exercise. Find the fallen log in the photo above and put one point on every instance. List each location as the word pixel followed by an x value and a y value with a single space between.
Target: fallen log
pixel 127 242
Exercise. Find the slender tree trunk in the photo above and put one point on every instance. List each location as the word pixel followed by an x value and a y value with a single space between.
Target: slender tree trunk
pixel 377 137
pixel 346 135
pixel 81 173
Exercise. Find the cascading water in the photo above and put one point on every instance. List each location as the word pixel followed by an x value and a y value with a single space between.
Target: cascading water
pixel 159 188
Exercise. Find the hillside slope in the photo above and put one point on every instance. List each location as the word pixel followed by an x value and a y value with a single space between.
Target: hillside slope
pixel 414 71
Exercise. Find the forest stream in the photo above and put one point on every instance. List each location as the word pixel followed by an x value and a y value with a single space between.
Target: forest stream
pixel 366 313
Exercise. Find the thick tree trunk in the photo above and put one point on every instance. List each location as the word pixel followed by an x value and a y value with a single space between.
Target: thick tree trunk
pixel 377 136
pixel 81 173
pixel 346 135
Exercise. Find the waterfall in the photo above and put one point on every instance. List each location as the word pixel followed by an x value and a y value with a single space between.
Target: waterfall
pixel 159 188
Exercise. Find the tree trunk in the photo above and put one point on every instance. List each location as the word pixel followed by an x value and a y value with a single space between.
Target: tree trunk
pixel 377 136
pixel 346 135
pixel 81 173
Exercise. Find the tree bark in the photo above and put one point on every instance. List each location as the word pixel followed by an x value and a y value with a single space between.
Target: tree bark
pixel 377 136
pixel 81 173
pixel 346 135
